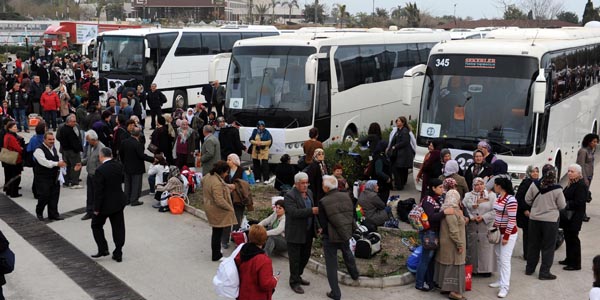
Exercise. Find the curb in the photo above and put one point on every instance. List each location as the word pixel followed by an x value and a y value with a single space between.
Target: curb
pixel 345 279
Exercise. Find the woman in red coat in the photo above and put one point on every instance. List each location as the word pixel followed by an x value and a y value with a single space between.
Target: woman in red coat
pixel 12 173
pixel 257 281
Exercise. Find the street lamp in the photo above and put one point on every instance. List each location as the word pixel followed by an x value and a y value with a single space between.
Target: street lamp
pixel 373 7
pixel 454 14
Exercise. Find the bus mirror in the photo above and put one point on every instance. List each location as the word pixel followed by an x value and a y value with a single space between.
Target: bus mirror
pixel 411 81
pixel 310 69
pixel 459 113
pixel 539 93
pixel 214 64
pixel 147 53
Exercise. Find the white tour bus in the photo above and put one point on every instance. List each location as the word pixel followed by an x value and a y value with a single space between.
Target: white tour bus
pixel 176 60
pixel 532 93
pixel 339 81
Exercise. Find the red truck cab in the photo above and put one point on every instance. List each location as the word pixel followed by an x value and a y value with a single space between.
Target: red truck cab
pixel 68 34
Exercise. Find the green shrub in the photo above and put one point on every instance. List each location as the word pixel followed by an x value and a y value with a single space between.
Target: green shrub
pixel 352 170
pixel 23 54
pixel 14 49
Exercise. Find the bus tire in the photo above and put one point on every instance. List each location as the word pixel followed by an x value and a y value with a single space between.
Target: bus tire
pixel 180 100
pixel 349 134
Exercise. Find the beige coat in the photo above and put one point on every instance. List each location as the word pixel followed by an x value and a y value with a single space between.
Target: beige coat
pixel 260 154
pixel 64 104
pixel 217 202
pixel 452 237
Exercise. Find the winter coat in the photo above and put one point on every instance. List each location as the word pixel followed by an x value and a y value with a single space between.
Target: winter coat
pixel 522 220
pixel 156 99
pixel 260 152
pixel 336 216
pixel 255 269
pixel 480 253
pixel 242 191
pixel 461 184
pixel 64 104
pixel 485 171
pixel 545 206
pixel 401 149
pixel 373 207
pixel 576 195
pixel 50 101
pixel 217 202
pixel 452 236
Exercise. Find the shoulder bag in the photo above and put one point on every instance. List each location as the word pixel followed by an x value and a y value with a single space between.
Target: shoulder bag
pixel 494 236
pixel 8 156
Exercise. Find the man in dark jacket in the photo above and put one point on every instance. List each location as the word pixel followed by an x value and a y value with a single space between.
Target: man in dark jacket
pixel 229 138
pixel 336 216
pixel 109 202
pixel 218 97
pixel 119 135
pixel 46 168
pixel 133 157
pixel 135 104
pixel 18 102
pixel 155 101
pixel 71 146
pixel 35 93
pixel 300 226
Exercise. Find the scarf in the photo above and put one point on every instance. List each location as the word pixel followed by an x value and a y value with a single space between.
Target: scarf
pixel 183 135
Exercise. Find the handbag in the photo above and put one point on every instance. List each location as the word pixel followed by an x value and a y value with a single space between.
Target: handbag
pixel 153 148
pixel 8 156
pixel 494 235
pixel 430 240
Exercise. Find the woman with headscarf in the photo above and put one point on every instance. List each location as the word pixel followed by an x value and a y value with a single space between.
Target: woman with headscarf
pixel 499 170
pixel 485 147
pixel 316 170
pixel 432 166
pixel 450 259
pixel 479 208
pixel 451 171
pixel 575 196
pixel 261 143
pixel 193 120
pixel 531 174
pixel 174 186
pixel 235 172
pixel 185 144
pixel 546 198
pixel 479 168
pixel 382 171
pixel 376 212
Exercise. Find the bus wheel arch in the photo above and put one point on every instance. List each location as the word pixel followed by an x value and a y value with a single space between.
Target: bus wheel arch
pixel 351 132
pixel 180 99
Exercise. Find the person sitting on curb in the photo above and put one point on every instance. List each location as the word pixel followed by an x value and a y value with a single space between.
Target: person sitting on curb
pixel 275 225
pixel 174 187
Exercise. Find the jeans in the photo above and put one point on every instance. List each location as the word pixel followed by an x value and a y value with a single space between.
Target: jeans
pixel 542 237
pixel 275 243
pixel 503 255
pixel 152 182
pixel 20 115
pixel 425 268
pixel 50 117
pixel 331 264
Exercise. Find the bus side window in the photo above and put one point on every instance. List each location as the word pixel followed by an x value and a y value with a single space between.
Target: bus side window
pixel 151 63
pixel 249 35
pixel 398 60
pixel 165 41
pixel 227 41
pixel 210 43
pixel 189 44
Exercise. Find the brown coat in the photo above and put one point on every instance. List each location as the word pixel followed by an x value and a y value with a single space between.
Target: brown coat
pixel 242 191
pixel 217 202
pixel 452 237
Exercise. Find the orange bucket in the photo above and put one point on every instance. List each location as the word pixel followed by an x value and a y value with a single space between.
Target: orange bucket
pixel 33 122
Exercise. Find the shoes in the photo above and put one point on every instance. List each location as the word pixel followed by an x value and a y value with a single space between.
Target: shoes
pixel 136 203
pixel 163 209
pixel 547 276
pixel 484 275
pixel 304 282
pixel 563 262
pixel 329 295
pixel 445 292
pixel 424 288
pixel 86 217
pixel 297 289
pixel 571 268
pixel 40 217
pixel 16 195
pixel 57 218
pixel 76 187
pixel 456 297
pixel 257 181
pixel 151 193
pixel 503 293
pixel 217 259
pixel 156 205
pixel 100 254
pixel 586 219
pixel 494 285
pixel 225 245
pixel 117 258
pixel 529 272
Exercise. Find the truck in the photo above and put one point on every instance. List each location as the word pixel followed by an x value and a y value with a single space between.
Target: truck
pixel 67 35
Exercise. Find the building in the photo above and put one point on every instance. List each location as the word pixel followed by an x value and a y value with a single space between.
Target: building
pixel 507 23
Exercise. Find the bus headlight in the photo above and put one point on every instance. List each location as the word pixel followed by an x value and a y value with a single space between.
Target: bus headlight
pixel 296 145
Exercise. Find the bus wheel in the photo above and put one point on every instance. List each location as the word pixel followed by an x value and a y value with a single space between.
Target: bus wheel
pixel 180 100
pixel 349 135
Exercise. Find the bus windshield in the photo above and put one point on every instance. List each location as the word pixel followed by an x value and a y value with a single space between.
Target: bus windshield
pixel 467 98
pixel 267 82
pixel 121 54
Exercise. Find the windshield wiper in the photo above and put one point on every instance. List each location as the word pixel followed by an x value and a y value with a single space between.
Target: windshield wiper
pixel 273 110
pixel 504 146
pixel 293 121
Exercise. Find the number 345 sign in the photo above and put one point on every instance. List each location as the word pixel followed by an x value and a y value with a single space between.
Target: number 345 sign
pixel 442 62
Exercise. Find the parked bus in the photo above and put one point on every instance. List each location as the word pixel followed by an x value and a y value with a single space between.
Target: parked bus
pixel 336 80
pixel 531 93
pixel 175 59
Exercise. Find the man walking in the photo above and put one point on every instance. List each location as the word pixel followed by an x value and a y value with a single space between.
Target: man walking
pixel 46 167
pixel 211 149
pixel 51 105
pixel 336 216
pixel 71 148
pixel 133 157
pixel 218 97
pixel 155 101
pixel 109 203
pixel 91 160
pixel 300 228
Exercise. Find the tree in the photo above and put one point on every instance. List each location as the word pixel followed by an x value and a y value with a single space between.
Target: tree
pixel 589 13
pixel 543 9
pixel 291 4
pixel 512 12
pixel 274 3
pixel 412 14
pixel 261 11
pixel 568 16
pixel 397 12
pixel 250 9
pixel 343 15
pixel 309 13
pixel 382 13
pixel 530 15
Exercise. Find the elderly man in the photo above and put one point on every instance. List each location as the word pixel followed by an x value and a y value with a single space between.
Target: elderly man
pixel 300 226
pixel 91 161
pixel 218 97
pixel 211 149
pixel 336 216
pixel 133 157
pixel 46 167
pixel 70 143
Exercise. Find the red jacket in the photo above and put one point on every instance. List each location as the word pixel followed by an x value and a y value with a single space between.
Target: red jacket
pixel 11 143
pixel 50 101
pixel 256 274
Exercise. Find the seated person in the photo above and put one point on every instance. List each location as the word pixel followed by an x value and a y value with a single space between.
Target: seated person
pixel 284 174
pixel 174 186
pixel 275 225
pixel 338 173
pixel 156 171
pixel 376 211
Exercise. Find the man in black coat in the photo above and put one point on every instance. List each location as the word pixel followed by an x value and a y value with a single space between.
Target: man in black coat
pixel 71 140
pixel 155 101
pixel 229 138
pixel 300 225
pixel 35 93
pixel 109 203
pixel 133 157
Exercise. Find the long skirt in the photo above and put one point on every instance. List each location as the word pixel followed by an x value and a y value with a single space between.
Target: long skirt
pixel 450 278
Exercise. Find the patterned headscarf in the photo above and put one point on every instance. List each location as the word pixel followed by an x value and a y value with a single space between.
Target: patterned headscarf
pixel 452 199
pixel 174 172
pixel 478 179
pixel 320 162
pixel 485 144
pixel 449 184
pixel 548 176
pixel 370 185
pixel 235 159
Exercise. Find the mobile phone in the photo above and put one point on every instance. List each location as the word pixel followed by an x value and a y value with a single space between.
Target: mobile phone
pixel 278 272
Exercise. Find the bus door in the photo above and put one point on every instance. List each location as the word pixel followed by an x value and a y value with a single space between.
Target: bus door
pixel 323 101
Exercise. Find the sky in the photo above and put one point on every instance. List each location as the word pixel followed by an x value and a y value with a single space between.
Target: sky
pixel 475 8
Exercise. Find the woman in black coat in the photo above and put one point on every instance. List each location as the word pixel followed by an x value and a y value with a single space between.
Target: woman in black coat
pixel 401 153
pixel 284 174
pixel 532 174
pixel 575 196
pixel 479 168
pixel 316 170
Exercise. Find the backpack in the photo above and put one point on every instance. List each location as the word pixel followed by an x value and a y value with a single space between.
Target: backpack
pixel 227 280
pixel 412 262
pixel 368 171
pixel 368 245
pixel 414 216
pixel 404 207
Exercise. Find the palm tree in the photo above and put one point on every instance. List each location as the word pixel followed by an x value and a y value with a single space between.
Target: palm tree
pixel 291 4
pixel 261 10
pixel 273 4
pixel 342 9
pixel 413 15
pixel 397 12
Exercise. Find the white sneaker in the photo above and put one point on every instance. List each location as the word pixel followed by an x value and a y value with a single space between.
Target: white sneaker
pixel 76 187
pixel 503 292
pixel 494 285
